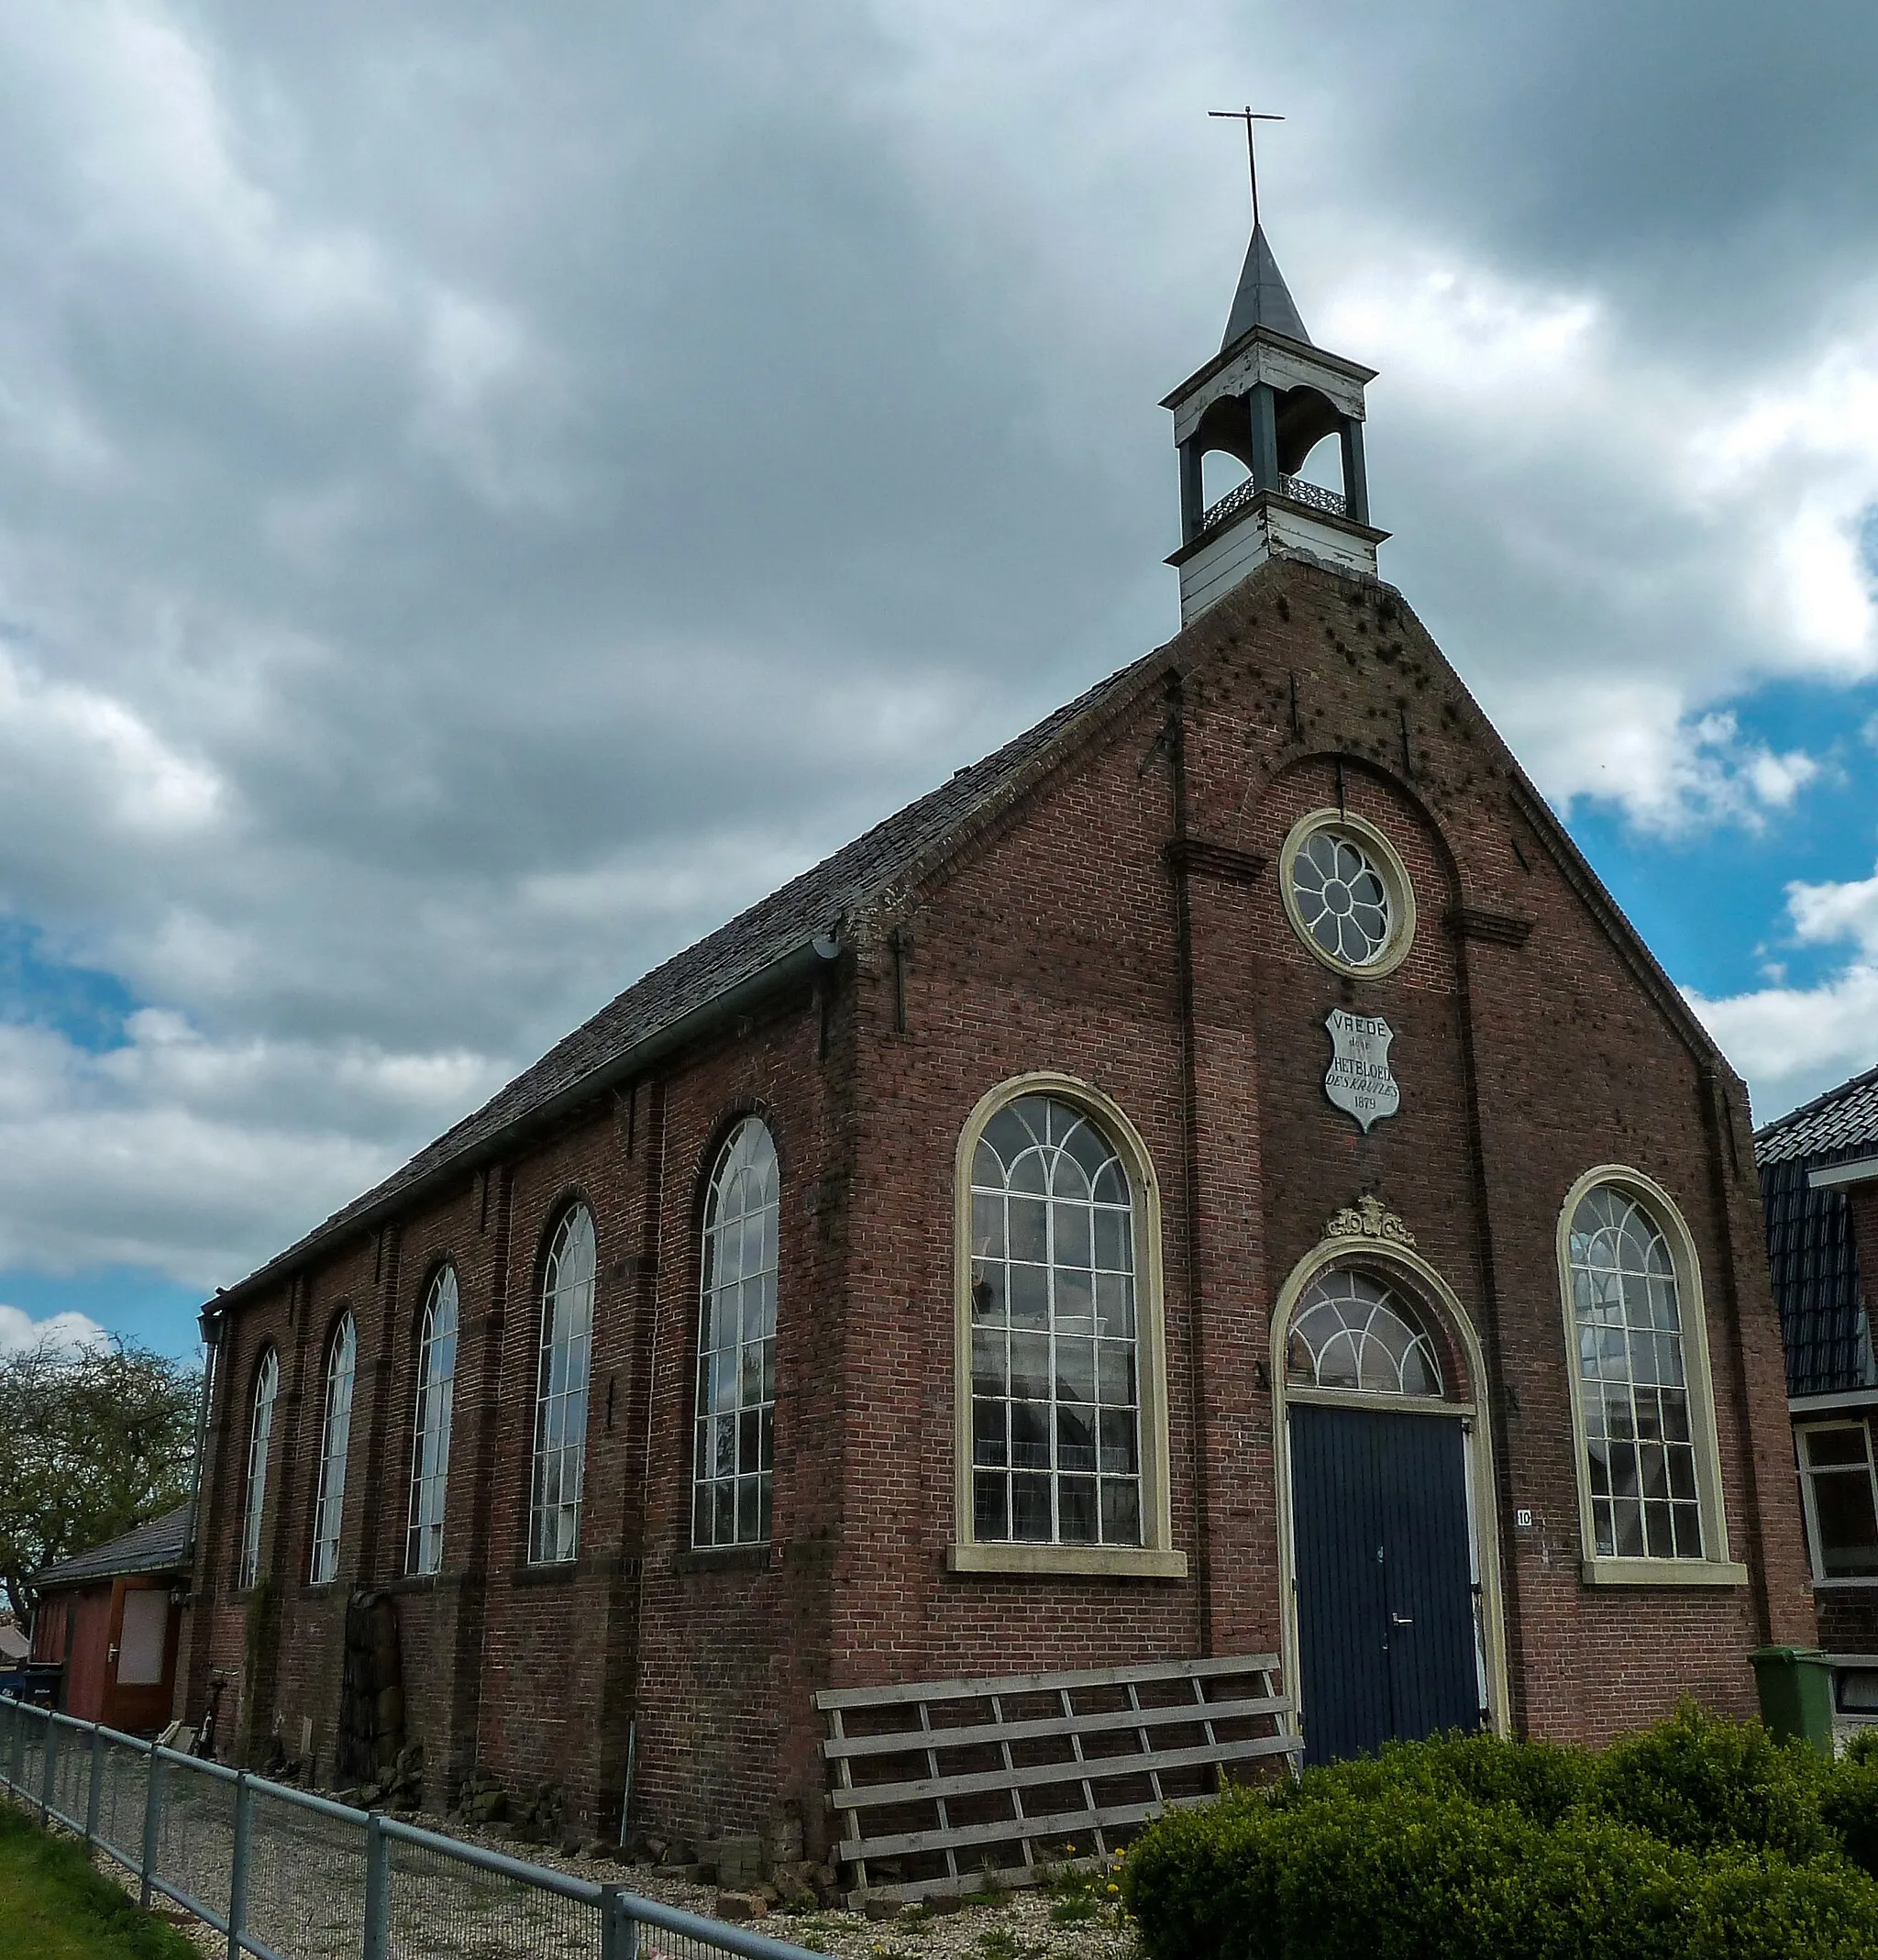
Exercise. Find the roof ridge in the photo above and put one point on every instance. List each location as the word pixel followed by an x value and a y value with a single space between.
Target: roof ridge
pixel 1825 1099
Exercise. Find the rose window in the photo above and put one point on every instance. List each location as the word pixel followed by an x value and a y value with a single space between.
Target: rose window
pixel 1342 899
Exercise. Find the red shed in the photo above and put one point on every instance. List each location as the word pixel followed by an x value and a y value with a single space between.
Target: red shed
pixel 110 1616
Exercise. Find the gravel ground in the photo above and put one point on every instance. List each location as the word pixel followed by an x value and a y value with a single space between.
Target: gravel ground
pixel 1031 1924
pixel 1035 1924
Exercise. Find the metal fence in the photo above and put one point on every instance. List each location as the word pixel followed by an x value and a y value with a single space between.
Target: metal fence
pixel 288 1876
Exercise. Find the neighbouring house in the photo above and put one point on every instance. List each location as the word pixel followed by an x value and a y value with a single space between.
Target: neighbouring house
pixel 111 1618
pixel 14 1645
pixel 1819 1191
pixel 1219 1177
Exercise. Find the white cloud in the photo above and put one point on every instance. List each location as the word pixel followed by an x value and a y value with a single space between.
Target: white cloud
pixel 484 493
pixel 58 740
pixel 1792 1042
pixel 180 1155
pixel 1627 542
pixel 19 1331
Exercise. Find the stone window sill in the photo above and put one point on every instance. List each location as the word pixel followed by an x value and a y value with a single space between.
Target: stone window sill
pixel 423 1582
pixel 564 1572
pixel 1065 1561
pixel 1662 1572
pixel 723 1558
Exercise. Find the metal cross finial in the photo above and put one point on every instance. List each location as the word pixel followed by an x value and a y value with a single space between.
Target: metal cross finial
pixel 1248 116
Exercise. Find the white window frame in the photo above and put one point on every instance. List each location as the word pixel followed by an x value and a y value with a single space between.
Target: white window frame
pixel 1384 859
pixel 1156 1557
pixel 1399 1305
pixel 430 1424
pixel 260 1433
pixel 560 1455
pixel 335 1443
pixel 1715 1568
pixel 1814 1547
pixel 751 1416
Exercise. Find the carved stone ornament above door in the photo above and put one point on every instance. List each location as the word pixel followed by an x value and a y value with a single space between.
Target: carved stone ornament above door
pixel 1368 1218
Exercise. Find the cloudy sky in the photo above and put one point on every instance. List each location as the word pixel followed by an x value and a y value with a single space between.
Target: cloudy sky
pixel 486 491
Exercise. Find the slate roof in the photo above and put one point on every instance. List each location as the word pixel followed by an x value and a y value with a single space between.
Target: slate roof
pixel 1844 1120
pixel 1810 1247
pixel 1263 298
pixel 161 1546
pixel 858 875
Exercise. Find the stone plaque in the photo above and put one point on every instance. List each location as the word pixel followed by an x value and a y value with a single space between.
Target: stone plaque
pixel 1359 1078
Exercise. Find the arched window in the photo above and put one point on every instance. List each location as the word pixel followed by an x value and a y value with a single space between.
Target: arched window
pixel 1353 1330
pixel 1056 1449
pixel 1650 1471
pixel 560 1396
pixel 736 1440
pixel 260 1429
pixel 336 1433
pixel 430 1447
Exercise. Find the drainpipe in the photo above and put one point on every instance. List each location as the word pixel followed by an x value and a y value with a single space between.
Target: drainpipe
pixel 210 1321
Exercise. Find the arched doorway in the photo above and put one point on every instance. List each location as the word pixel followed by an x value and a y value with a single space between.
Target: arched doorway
pixel 1392 1599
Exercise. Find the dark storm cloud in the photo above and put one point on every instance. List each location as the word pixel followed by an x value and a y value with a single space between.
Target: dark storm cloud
pixel 485 492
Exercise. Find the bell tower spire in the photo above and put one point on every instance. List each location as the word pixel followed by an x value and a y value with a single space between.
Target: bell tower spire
pixel 1266 399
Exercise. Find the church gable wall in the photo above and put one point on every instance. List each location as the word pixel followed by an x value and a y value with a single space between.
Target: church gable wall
pixel 1532 1044
pixel 1537 1060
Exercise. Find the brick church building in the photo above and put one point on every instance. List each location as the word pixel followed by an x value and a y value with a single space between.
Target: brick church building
pixel 1220 1177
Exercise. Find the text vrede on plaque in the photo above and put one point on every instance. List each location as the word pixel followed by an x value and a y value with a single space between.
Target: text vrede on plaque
pixel 1359 1078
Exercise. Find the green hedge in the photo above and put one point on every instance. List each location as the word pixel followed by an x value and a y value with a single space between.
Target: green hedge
pixel 1695 1840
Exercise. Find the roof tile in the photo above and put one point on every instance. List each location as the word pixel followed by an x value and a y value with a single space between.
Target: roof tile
pixel 160 1546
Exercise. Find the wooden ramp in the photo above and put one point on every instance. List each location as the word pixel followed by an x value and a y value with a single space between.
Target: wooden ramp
pixel 951 1785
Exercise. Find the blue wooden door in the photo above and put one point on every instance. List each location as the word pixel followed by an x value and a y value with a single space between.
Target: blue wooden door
pixel 1385 1583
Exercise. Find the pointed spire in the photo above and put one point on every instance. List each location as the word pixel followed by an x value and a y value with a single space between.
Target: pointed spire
pixel 1262 299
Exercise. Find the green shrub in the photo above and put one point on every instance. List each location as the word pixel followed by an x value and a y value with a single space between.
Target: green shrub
pixel 1402 1875
pixel 1701 1782
pixel 1848 1806
pixel 1591 1889
pixel 1399 1873
pixel 1765 1909
pixel 1862 1747
pixel 1204 1882
pixel 1697 1840
pixel 1542 1780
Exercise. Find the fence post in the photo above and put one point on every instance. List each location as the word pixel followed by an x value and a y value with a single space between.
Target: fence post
pixel 238 1877
pixel 48 1788
pixel 152 1824
pixel 18 1749
pixel 619 1932
pixel 378 1888
pixel 95 1791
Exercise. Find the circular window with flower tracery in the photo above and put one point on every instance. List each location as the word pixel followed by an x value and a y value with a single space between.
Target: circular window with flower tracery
pixel 1346 893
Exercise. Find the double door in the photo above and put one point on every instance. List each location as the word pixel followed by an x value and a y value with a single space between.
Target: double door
pixel 1387 1625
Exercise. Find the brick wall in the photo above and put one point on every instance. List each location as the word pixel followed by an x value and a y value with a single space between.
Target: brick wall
pixel 1533 1042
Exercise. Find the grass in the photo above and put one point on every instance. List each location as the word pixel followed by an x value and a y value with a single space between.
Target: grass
pixel 54 1906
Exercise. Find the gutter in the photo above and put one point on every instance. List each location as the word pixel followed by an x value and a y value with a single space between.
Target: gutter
pixel 809 958
pixel 210 1323
pixel 1861 1170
